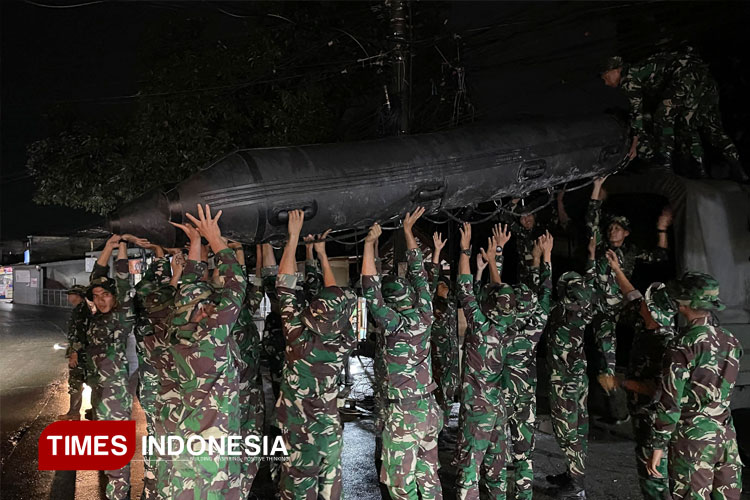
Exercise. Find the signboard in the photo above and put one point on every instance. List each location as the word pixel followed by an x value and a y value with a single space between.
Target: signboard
pixel 34 283
pixel 89 264
pixel 23 276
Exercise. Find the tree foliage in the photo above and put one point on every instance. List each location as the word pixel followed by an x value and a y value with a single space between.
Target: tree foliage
pixel 206 90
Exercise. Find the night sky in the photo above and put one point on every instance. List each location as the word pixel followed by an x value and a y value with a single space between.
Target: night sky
pixel 520 58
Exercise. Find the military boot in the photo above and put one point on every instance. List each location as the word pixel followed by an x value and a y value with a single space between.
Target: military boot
pixel 573 490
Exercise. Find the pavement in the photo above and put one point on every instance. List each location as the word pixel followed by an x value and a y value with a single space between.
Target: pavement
pixel 33 391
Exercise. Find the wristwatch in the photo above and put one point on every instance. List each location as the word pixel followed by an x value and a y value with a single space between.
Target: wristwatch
pixel 466 251
pixel 498 249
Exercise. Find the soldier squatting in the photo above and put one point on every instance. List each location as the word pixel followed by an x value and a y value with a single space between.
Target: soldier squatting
pixel 200 353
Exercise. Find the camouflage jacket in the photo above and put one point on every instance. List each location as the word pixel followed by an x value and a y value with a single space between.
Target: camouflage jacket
pixel 524 241
pixel 484 346
pixel 650 78
pixel 205 353
pixel 78 325
pixel 314 360
pixel 156 300
pixel 407 353
pixel 520 354
pixel 646 356
pixel 245 331
pixel 108 333
pixel 444 331
pixel 609 296
pixel 700 369
pixel 565 332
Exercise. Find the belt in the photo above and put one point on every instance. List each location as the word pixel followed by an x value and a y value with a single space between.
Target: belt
pixel 411 398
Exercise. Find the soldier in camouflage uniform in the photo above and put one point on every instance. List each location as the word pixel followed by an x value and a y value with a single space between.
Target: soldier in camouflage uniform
pixel 692 415
pixel 78 325
pixel 444 333
pixel 319 339
pixel 688 105
pixel 482 441
pixel 519 369
pixel 205 354
pixel 252 400
pixel 568 380
pixel 154 300
pixel 107 337
pixel 403 308
pixel 654 329
pixel 609 300
pixel 525 232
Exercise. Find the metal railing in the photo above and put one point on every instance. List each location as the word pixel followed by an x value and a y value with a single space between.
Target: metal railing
pixel 56 298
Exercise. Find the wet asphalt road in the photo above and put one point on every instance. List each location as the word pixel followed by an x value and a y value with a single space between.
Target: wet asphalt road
pixel 33 391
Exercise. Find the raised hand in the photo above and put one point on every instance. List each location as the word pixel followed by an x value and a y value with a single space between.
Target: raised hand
pixel 320 245
pixel 207 225
pixel 481 263
pixel 500 234
pixel 546 242
pixel 614 261
pixel 536 251
pixel 178 264
pixel 190 231
pixel 490 252
pixel 665 218
pixel 412 217
pixel 592 247
pixel 296 219
pixel 438 241
pixel 465 231
pixel 309 240
pixel 374 233
pixel 113 242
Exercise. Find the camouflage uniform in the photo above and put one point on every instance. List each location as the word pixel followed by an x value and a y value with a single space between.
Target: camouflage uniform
pixel 205 355
pixel 155 299
pixel 692 415
pixel 273 334
pixel 444 344
pixel 252 400
pixel 567 362
pixel 520 375
pixel 107 338
pixel 644 368
pixel 78 325
pixel 482 439
pixel 609 299
pixel 413 418
pixel 688 104
pixel 319 339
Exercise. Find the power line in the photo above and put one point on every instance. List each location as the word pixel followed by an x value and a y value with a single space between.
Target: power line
pixel 47 6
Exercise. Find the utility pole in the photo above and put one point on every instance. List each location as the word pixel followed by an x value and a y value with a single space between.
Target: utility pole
pixel 401 60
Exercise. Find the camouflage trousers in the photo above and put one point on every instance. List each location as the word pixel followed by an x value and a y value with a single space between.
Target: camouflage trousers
pixel 114 402
pixel 704 461
pixel 148 392
pixel 312 430
pixel 203 476
pixel 520 401
pixel 604 325
pixel 481 451
pixel 570 420
pixel 445 373
pixel 76 379
pixel 252 413
pixel 652 488
pixel 410 452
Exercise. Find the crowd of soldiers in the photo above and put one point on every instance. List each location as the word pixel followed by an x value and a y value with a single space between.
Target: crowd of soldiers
pixel 200 353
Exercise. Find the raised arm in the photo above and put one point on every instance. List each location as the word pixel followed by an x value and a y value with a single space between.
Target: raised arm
pixel 481 265
pixel 594 211
pixel 313 279
pixel 101 267
pixel 546 243
pixel 325 265
pixel 500 236
pixel 384 316
pixel 232 294
pixel 465 290
pixel 622 281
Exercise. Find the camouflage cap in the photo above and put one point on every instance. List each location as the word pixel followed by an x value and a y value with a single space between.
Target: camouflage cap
pixel 621 221
pixel 697 291
pixel 190 296
pixel 498 301
pixel 398 293
pixel 330 311
pixel 77 290
pixel 573 291
pixel 526 300
pixel 660 305
pixel 108 284
pixel 610 63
